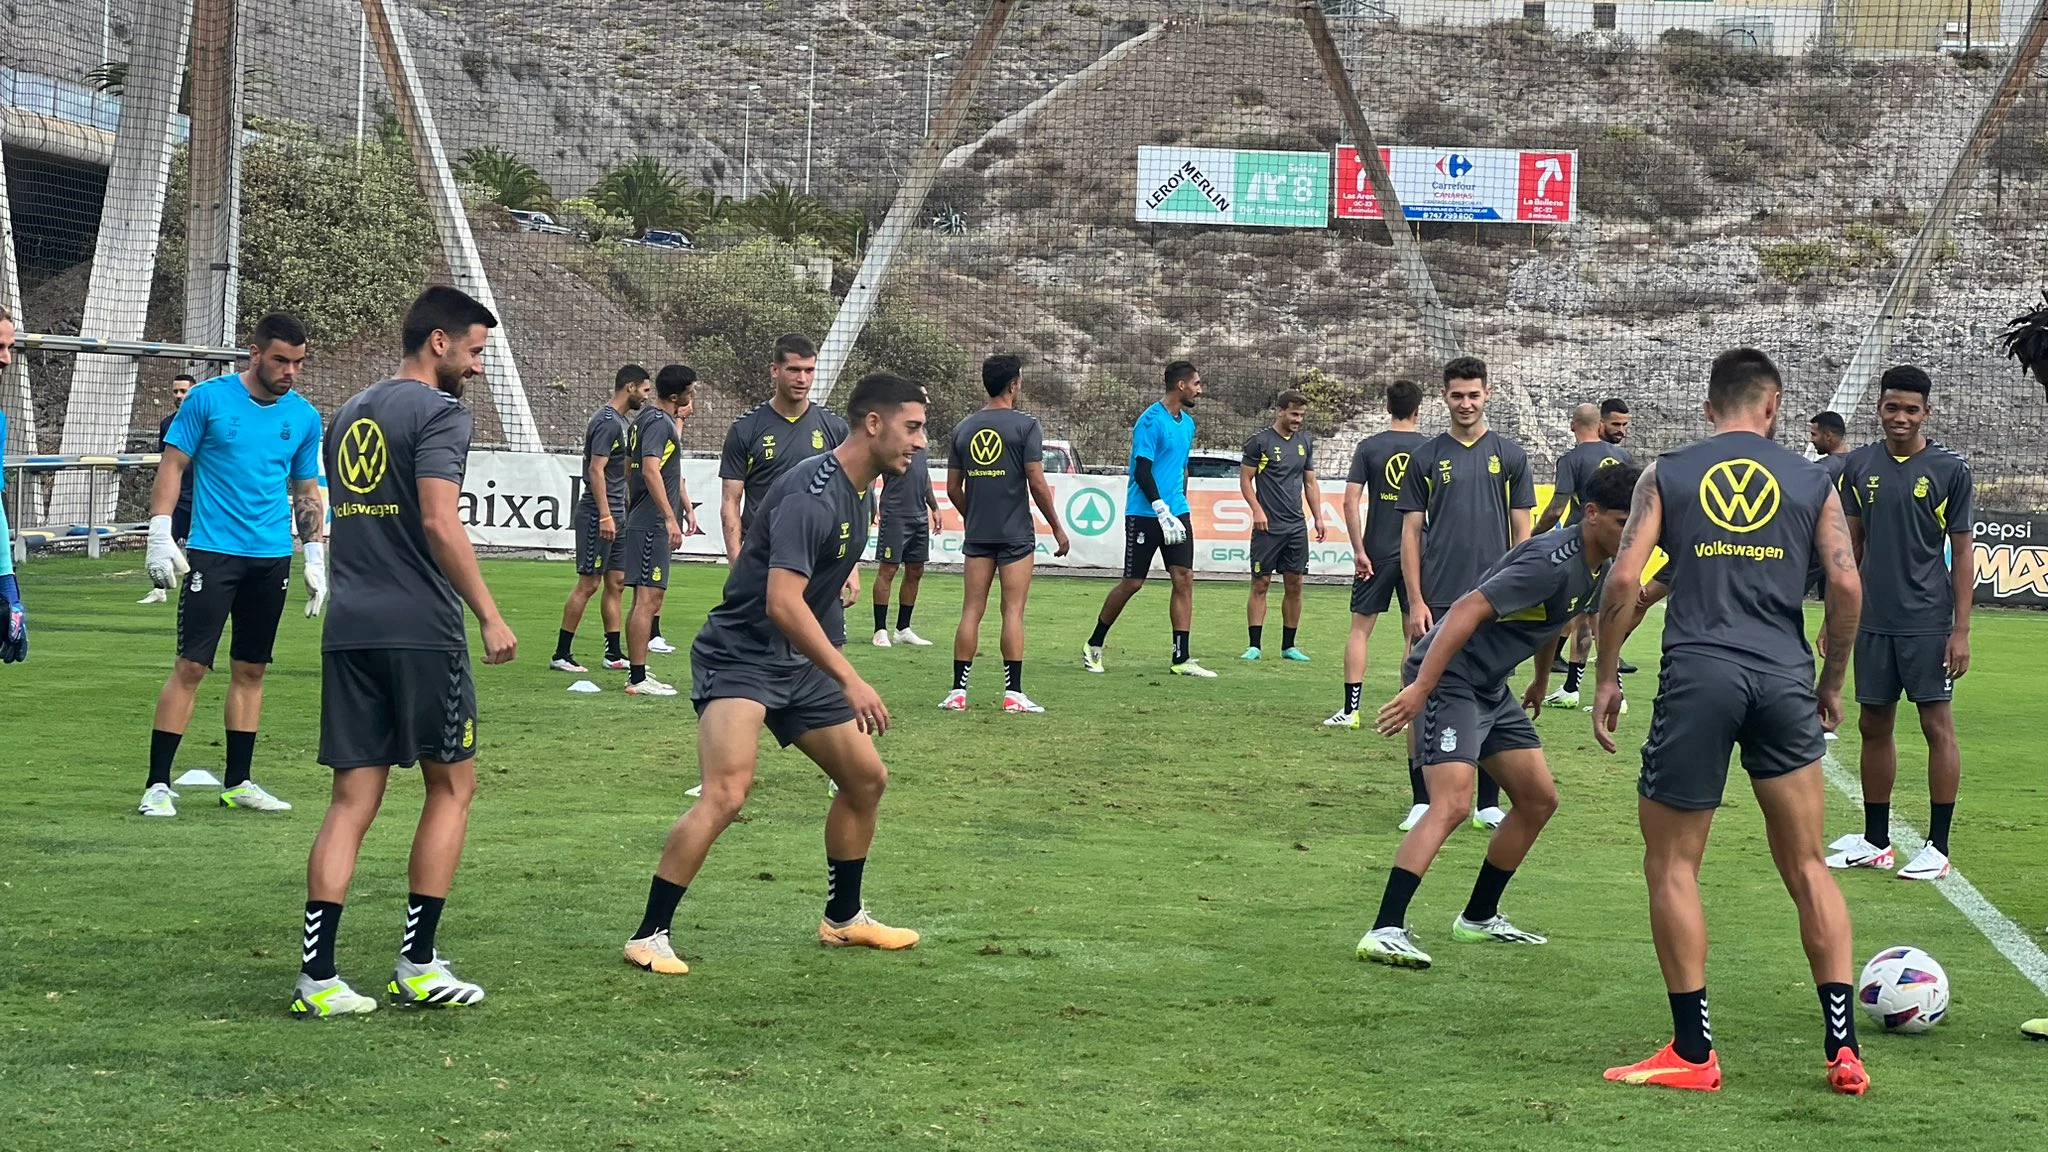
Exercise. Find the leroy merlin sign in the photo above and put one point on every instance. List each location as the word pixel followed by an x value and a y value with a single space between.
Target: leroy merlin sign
pixel 1220 186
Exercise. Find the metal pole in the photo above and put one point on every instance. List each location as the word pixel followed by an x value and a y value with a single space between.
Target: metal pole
pixel 747 143
pixel 92 510
pixel 928 62
pixel 106 31
pixel 810 116
pixel 362 83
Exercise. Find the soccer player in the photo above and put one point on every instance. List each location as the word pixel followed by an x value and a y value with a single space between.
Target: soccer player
pixel 1156 519
pixel 600 549
pixel 995 472
pixel 1464 502
pixel 658 516
pixel 244 436
pixel 1830 438
pixel 908 504
pixel 1455 689
pixel 181 516
pixel 1614 420
pixel 765 658
pixel 1574 469
pixel 395 685
pixel 1739 516
pixel 14 636
pixel 1279 468
pixel 1910 504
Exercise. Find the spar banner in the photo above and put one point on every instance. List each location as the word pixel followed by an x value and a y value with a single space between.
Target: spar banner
pixel 1482 185
pixel 2011 554
pixel 1243 188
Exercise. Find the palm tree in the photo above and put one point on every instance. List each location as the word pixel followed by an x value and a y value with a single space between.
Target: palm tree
pixel 644 190
pixel 788 215
pixel 511 182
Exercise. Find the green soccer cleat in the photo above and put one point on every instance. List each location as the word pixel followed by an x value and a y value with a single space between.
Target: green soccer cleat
pixel 250 796
pixel 430 985
pixel 1393 947
pixel 325 999
pixel 1496 930
pixel 2035 1029
pixel 1190 668
pixel 1091 659
pixel 1296 655
pixel 1250 654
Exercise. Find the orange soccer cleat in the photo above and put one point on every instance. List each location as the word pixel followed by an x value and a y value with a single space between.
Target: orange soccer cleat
pixel 864 931
pixel 1846 1074
pixel 1668 1069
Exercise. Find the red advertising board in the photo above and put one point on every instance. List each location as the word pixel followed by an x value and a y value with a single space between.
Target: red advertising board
pixel 1355 199
pixel 1544 195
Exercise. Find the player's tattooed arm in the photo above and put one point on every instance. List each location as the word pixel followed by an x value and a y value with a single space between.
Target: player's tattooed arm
pixel 1844 592
pixel 308 512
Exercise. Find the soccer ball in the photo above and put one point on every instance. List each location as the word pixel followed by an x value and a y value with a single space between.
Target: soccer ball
pixel 1903 990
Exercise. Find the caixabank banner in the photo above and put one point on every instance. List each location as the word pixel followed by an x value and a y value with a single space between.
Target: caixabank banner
pixel 2011 559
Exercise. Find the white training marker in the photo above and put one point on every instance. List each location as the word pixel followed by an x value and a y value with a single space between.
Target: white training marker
pixel 198 778
pixel 585 687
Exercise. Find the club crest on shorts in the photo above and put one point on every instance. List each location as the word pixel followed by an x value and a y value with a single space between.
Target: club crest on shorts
pixel 198 582
pixel 1448 742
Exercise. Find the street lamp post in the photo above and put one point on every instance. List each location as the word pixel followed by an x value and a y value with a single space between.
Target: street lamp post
pixel 810 114
pixel 928 62
pixel 747 141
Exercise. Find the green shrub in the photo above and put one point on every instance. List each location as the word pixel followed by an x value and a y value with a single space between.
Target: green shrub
pixel 1837 113
pixel 725 309
pixel 1629 174
pixel 1709 65
pixel 1795 262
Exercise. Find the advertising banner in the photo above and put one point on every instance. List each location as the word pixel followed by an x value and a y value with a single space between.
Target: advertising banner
pixel 2011 559
pixel 1487 185
pixel 1220 186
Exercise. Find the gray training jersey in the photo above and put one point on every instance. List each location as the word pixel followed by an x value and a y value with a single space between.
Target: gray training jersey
pixel 1536 588
pixel 606 437
pixel 990 450
pixel 1739 516
pixel 811 522
pixel 654 434
pixel 1832 464
pixel 1281 464
pixel 1575 470
pixel 385 589
pixel 907 497
pixel 1466 493
pixel 1380 465
pixel 1908 509
pixel 763 444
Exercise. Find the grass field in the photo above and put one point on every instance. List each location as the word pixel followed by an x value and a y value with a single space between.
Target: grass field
pixel 1139 911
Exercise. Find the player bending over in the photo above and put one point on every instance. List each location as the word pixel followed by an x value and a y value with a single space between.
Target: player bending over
pixel 395 684
pixel 766 659
pixel 1739 517
pixel 600 511
pixel 1456 691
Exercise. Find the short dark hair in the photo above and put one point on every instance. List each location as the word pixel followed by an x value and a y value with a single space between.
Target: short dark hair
pixel 1178 371
pixel 1830 422
pixel 1741 378
pixel 1465 368
pixel 1905 378
pixel 187 377
pixel 278 326
pixel 1290 398
pixel 442 309
pixel 882 392
pixel 628 376
pixel 1613 486
pixel 792 346
pixel 673 380
pixel 1404 397
pixel 1000 371
pixel 1613 406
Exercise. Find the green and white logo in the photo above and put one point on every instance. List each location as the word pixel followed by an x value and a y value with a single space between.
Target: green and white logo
pixel 1091 512
pixel 1217 186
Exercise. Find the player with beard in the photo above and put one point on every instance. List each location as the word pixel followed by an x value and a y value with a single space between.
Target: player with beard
pixel 658 517
pixel 600 511
pixel 1276 476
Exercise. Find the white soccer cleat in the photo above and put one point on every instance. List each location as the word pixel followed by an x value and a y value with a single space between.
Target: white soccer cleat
pixel 955 701
pixel 619 665
pixel 906 636
pixel 1856 852
pixel 154 596
pixel 430 985
pixel 1496 930
pixel 882 638
pixel 1342 720
pixel 560 665
pixel 650 687
pixel 326 999
pixel 1091 659
pixel 1930 863
pixel 157 801
pixel 1488 818
pixel 1562 698
pixel 1190 668
pixel 1392 946
pixel 662 646
pixel 1019 702
pixel 251 795
pixel 1415 815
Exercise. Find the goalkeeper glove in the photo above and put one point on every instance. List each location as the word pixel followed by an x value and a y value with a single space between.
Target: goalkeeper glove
pixel 316 578
pixel 165 563
pixel 1170 526
pixel 14 639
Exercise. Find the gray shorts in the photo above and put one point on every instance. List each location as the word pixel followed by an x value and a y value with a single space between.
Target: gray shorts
pixel 799 700
pixel 1890 666
pixel 394 707
pixel 1705 708
pixel 1004 554
pixel 647 557
pixel 903 541
pixel 594 554
pixel 1461 724
pixel 1280 553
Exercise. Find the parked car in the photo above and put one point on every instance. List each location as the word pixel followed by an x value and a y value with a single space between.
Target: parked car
pixel 1211 464
pixel 666 241
pixel 538 222
pixel 1060 457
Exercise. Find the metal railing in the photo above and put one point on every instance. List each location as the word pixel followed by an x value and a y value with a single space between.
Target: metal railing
pixel 23 496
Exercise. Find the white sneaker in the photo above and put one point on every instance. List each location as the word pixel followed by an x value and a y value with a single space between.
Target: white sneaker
pixel 1190 668
pixel 906 636
pixel 662 646
pixel 1091 658
pixel 157 801
pixel 154 596
pixel 1496 930
pixel 619 665
pixel 1342 720
pixel 325 999
pixel 1392 946
pixel 650 687
pixel 955 701
pixel 251 795
pixel 1562 698
pixel 1927 864
pixel 1488 818
pixel 1415 815
pixel 1856 852
pixel 430 985
pixel 1019 702
pixel 560 665
pixel 882 639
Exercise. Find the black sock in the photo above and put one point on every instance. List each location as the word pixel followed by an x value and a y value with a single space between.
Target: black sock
pixel 1287 636
pixel 1877 824
pixel 612 651
pixel 1838 1020
pixel 1258 634
pixel 842 889
pixel 654 627
pixel 662 898
pixel 1573 673
pixel 163 748
pixel 422 917
pixel 1401 886
pixel 1938 819
pixel 961 668
pixel 903 612
pixel 564 640
pixel 316 959
pixel 1354 694
pixel 1180 647
pixel 1418 785
pixel 1485 902
pixel 241 754
pixel 1013 675
pixel 1691 1034
pixel 1100 634
pixel 881 616
pixel 636 673
pixel 1557 657
pixel 1489 790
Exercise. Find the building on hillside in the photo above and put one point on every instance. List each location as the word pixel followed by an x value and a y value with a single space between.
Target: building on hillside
pixel 1784 27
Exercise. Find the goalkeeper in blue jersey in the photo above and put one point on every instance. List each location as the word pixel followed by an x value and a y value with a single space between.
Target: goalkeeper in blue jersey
pixel 14 638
